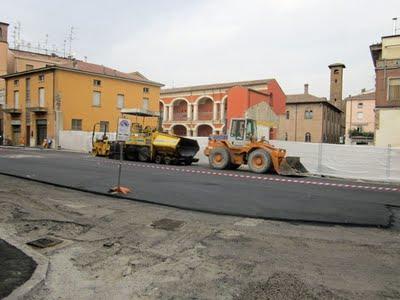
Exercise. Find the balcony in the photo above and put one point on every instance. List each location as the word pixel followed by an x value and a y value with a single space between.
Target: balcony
pixel 181 116
pixel 356 134
pixel 205 115
pixel 38 109
pixel 12 110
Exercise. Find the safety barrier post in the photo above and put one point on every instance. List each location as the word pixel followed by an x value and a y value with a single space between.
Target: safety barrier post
pixel 388 161
pixel 319 158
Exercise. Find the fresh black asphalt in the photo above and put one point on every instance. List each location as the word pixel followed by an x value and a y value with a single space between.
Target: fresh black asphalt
pixel 15 268
pixel 204 192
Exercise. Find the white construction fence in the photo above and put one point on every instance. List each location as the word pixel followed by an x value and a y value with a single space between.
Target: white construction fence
pixel 347 161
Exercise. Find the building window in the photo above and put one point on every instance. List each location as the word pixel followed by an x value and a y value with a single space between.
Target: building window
pixel 29 67
pixel 41 78
pixel 286 136
pixel 104 126
pixel 336 72
pixel 16 82
pixel 360 105
pixel 394 89
pixel 287 115
pixel 146 90
pixel 41 97
pixel 120 101
pixel 96 101
pixel 308 114
pixel 360 115
pixel 96 82
pixel 16 99
pixel 76 124
pixel 145 103
pixel 307 137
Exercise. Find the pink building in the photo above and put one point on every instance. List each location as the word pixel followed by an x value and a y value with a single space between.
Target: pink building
pixel 360 118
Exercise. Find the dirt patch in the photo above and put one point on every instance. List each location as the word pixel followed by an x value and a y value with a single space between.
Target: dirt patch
pixel 285 286
pixel 167 224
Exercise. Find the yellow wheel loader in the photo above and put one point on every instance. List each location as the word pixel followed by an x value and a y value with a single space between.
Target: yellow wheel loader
pixel 241 147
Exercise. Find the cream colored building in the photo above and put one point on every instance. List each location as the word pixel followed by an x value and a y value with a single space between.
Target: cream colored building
pixel 386 58
pixel 360 118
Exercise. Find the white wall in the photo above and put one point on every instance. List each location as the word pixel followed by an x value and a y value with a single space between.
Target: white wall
pixel 348 161
pixel 80 140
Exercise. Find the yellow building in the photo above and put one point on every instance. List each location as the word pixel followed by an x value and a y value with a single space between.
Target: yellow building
pixel 63 102
pixel 16 60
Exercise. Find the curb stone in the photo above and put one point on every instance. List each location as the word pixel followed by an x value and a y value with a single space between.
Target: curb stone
pixel 38 277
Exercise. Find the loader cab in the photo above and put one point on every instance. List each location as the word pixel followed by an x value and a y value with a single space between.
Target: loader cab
pixel 242 131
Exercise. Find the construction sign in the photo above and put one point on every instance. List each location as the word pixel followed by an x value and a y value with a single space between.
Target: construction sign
pixel 124 129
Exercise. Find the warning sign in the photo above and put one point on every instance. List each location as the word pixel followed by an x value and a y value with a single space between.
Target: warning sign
pixel 124 129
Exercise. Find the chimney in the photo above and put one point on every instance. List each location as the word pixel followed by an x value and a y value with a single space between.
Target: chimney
pixel 306 88
pixel 363 91
pixel 394 26
pixel 74 63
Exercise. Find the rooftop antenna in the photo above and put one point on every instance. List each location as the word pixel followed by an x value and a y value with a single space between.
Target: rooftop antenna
pixel 19 28
pixel 65 48
pixel 70 39
pixel 394 25
pixel 46 43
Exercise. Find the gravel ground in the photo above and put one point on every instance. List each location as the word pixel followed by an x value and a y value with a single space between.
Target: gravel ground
pixel 120 249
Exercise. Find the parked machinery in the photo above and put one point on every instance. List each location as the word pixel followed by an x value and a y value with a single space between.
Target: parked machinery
pixel 100 146
pixel 241 147
pixel 149 145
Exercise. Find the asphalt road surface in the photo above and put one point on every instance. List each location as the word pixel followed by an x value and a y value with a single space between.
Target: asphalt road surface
pixel 15 268
pixel 229 192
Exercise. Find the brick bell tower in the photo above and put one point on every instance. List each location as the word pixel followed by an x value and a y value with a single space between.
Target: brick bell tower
pixel 3 47
pixel 336 95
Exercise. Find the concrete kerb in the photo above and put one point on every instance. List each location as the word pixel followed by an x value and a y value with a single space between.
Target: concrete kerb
pixel 38 277
pixel 40 149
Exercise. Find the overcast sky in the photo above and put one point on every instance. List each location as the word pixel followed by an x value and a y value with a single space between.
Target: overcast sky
pixel 182 42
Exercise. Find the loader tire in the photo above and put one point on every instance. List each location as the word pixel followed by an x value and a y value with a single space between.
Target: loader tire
pixel 234 166
pixel 219 158
pixel 158 159
pixel 143 154
pixel 259 161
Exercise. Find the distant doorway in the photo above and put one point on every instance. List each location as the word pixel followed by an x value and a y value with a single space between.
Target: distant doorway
pixel 41 131
pixel 28 136
pixel 16 134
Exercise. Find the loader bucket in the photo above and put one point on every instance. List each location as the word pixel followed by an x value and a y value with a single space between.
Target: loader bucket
pixel 291 166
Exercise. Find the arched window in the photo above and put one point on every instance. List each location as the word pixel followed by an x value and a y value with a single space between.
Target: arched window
pixel 336 71
pixel 307 137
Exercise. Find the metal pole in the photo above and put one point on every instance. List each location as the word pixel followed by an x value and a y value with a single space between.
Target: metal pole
pixel 120 165
pixel 388 161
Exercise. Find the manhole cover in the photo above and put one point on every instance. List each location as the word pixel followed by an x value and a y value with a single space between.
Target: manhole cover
pixel 167 224
pixel 44 242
